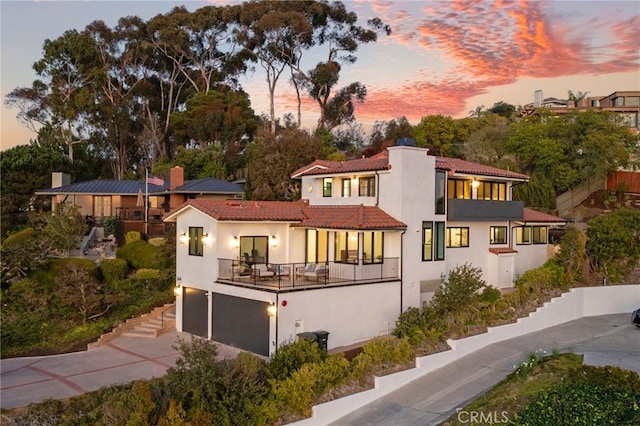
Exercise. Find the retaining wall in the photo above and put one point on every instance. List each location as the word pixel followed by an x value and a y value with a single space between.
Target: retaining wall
pixel 577 303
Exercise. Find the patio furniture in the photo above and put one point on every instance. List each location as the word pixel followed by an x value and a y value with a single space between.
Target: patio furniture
pixel 261 272
pixel 313 271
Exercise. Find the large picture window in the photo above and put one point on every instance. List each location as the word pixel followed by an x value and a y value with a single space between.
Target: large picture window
pixel 196 244
pixel 254 249
pixel 498 235
pixel 372 246
pixel 317 246
pixel 457 237
pixel 367 187
pixel 346 246
pixel 496 191
pixel 460 189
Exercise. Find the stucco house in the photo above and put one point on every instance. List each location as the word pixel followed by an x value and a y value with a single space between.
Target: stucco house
pixel 370 238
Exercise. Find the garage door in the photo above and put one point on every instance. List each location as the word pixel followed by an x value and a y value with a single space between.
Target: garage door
pixel 243 323
pixel 195 307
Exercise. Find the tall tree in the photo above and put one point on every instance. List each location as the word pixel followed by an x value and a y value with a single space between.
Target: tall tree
pixel 274 158
pixel 435 132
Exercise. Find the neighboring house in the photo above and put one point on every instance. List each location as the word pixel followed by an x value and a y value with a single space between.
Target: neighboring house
pixel 125 199
pixel 626 104
pixel 370 238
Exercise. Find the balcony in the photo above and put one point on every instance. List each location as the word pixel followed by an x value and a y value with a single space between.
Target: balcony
pixel 483 210
pixel 302 276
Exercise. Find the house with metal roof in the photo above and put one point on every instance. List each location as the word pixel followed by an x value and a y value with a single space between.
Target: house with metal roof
pixel 370 238
pixel 125 199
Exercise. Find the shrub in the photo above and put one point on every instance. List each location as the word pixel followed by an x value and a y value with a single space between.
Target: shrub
pixel 158 241
pixel 21 253
pixel 114 269
pixel 290 357
pixel 381 353
pixel 551 275
pixel 140 254
pixel 459 291
pixel 146 274
pixel 132 236
pixel 109 225
pixel 572 253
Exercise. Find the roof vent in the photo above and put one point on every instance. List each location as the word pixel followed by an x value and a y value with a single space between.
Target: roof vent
pixel 405 142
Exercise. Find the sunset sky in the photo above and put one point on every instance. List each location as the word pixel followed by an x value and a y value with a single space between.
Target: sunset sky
pixel 444 57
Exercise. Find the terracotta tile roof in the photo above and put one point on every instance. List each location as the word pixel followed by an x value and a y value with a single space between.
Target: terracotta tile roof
pixel 456 165
pixel 380 161
pixel 349 217
pixel 300 213
pixel 319 167
pixel 502 250
pixel 530 215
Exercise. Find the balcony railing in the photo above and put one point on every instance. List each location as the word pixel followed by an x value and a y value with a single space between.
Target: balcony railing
pixel 291 276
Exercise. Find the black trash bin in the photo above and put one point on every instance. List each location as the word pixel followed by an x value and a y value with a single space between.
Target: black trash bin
pixel 322 338
pixel 307 335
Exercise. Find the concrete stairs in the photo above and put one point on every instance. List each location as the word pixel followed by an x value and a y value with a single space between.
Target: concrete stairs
pixel 148 326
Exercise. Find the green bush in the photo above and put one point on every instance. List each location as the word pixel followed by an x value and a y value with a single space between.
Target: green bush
pixel 290 357
pixel 158 241
pixel 459 291
pixel 132 236
pixel 140 254
pixel 109 225
pixel 582 403
pixel 147 274
pixel 114 269
pixel 380 353
pixel 551 275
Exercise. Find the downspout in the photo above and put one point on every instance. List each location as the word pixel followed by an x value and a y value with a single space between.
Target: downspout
pixel 377 188
pixel 277 319
pixel 402 268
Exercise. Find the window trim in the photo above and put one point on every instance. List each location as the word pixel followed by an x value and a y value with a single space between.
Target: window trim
pixel 534 237
pixel 462 231
pixel 327 187
pixel 492 239
pixel 367 186
pixel 440 192
pixel 427 226
pixel 346 187
pixel 196 245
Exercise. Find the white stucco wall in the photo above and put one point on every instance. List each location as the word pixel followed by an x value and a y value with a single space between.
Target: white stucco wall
pixel 530 256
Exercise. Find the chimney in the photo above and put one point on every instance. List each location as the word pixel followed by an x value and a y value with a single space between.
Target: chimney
pixel 59 179
pixel 176 177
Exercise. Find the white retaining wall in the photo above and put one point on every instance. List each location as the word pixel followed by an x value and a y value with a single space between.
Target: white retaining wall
pixel 577 303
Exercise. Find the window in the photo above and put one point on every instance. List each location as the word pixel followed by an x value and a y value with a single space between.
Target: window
pixel 195 241
pixel 457 237
pixel 427 240
pixel 254 249
pixel 492 191
pixel 372 247
pixel 618 102
pixel 101 206
pixel 326 187
pixel 317 246
pixel 498 235
pixel 440 180
pixel 346 247
pixel 531 235
pixel 439 241
pixel 459 189
pixel 346 187
pixel 539 234
pixel 367 187
pixel 633 101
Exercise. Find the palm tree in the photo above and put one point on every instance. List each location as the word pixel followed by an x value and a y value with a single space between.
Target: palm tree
pixel 577 98
pixel 477 112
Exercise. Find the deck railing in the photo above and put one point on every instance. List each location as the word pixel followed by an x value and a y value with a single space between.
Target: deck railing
pixel 290 276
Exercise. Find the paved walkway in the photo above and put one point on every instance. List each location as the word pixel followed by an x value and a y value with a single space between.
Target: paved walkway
pixel 433 398
pixel 124 359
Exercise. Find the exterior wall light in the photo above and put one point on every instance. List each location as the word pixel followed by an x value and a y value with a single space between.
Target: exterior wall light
pixel 274 241
pixel 272 310
pixel 205 240
pixel 184 238
pixel 235 243
pixel 475 184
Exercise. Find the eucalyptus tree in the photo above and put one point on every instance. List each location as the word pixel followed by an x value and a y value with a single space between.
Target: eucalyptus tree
pixel 277 33
pixel 61 95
